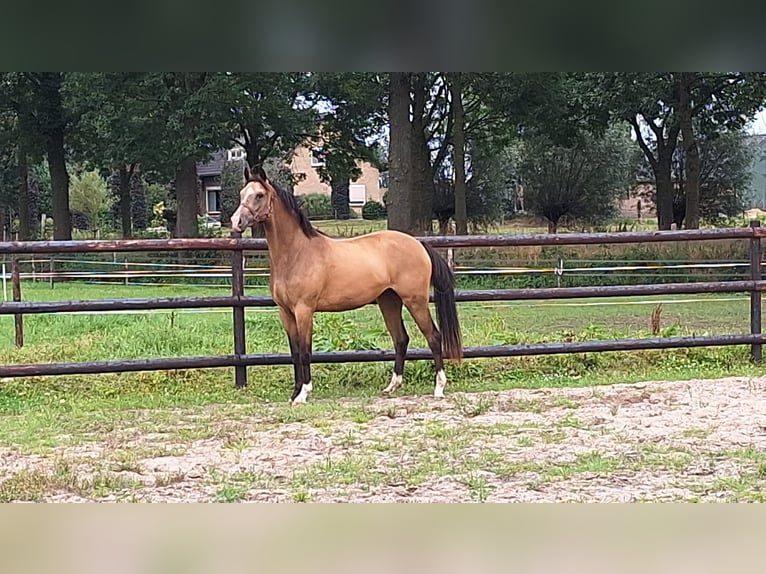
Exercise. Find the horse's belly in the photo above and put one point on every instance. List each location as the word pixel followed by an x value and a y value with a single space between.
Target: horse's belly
pixel 349 296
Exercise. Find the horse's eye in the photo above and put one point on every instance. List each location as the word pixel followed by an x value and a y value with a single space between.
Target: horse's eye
pixel 259 195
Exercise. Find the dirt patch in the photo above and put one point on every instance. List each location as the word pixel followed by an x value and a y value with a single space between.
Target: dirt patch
pixel 659 441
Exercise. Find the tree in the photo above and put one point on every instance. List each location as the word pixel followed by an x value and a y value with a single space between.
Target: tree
pixel 53 122
pixel 232 180
pixel 90 197
pixel 119 130
pixel 725 161
pixel 401 215
pixel 660 106
pixel 350 129
pixel 195 117
pixel 420 137
pixel 645 101
pixel 22 145
pixel 268 113
pixel 579 183
pixel 495 110
pixel 711 103
pixel 461 212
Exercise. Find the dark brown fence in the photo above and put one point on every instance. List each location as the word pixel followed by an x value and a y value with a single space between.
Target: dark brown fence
pixel 238 301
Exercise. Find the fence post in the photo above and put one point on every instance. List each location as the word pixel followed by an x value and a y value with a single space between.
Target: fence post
pixel 755 296
pixel 238 290
pixel 18 317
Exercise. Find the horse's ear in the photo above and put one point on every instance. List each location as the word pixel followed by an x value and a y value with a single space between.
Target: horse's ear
pixel 247 172
pixel 261 174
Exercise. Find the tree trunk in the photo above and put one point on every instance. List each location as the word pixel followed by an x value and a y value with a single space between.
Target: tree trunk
pixel 62 218
pixel 664 198
pixel 553 226
pixel 52 124
pixel 424 189
pixel 25 213
pixel 125 203
pixel 186 198
pixel 458 144
pixel 339 198
pixel 253 150
pixel 693 166
pixel 139 212
pixel 664 180
pixel 401 172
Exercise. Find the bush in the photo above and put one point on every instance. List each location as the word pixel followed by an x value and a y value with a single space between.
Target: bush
pixel 374 210
pixel 317 205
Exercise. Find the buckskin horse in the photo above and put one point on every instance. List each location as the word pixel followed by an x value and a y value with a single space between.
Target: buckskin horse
pixel 313 272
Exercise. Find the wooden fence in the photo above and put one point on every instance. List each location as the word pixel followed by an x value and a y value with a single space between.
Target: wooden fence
pixel 238 301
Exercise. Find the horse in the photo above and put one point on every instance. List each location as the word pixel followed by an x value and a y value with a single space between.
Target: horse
pixel 312 272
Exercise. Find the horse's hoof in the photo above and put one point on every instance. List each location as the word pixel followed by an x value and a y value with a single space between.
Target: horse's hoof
pixel 304 394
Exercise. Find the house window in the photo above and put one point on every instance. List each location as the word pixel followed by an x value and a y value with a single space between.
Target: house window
pixel 236 154
pixel 317 157
pixel 357 194
pixel 213 199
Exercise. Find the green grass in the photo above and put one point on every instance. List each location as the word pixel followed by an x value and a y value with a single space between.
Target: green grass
pixel 38 413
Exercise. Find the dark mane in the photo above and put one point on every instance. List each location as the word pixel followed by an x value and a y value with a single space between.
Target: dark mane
pixel 294 205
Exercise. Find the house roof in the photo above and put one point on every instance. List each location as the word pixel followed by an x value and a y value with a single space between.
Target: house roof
pixel 214 165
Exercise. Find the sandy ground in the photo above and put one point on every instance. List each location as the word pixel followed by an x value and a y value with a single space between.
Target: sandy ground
pixel 702 440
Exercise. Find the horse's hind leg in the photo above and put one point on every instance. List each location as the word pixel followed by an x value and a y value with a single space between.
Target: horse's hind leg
pixel 391 307
pixel 418 308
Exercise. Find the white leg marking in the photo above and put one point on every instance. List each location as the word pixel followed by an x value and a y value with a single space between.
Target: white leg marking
pixel 441 382
pixel 396 382
pixel 304 394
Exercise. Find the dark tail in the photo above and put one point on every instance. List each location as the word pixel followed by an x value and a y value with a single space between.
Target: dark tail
pixel 443 281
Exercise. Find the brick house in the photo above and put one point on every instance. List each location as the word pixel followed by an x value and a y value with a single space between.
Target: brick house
pixel 303 164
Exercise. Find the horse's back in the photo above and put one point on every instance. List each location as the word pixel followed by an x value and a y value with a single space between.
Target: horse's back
pixel 389 244
pixel 357 270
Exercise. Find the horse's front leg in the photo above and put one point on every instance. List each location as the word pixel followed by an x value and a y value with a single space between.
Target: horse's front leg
pixel 291 328
pixel 304 320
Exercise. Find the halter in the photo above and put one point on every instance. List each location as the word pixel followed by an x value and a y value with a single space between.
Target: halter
pixel 265 215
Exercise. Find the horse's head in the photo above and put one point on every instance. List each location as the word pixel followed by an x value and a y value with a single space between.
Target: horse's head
pixel 255 200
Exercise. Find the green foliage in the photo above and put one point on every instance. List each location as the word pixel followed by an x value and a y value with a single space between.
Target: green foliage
pixel 336 332
pixel 232 180
pixel 578 183
pixel 89 196
pixel 268 113
pixel 155 193
pixel 374 210
pixel 317 205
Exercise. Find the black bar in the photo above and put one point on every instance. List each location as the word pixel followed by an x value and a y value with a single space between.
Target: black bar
pixel 238 291
pixel 756 351
pixel 228 244
pixel 18 319
pixel 118 366
pixel 119 245
pixel 586 238
pixel 43 369
pixel 610 291
pixel 30 307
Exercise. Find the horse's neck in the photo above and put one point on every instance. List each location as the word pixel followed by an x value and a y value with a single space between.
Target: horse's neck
pixel 284 236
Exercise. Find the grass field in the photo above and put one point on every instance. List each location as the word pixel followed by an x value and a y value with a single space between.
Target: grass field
pixel 105 437
pixel 76 337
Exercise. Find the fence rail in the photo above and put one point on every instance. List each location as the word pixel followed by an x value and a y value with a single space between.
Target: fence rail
pixel 238 301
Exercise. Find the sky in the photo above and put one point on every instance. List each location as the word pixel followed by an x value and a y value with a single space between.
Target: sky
pixel 759 125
